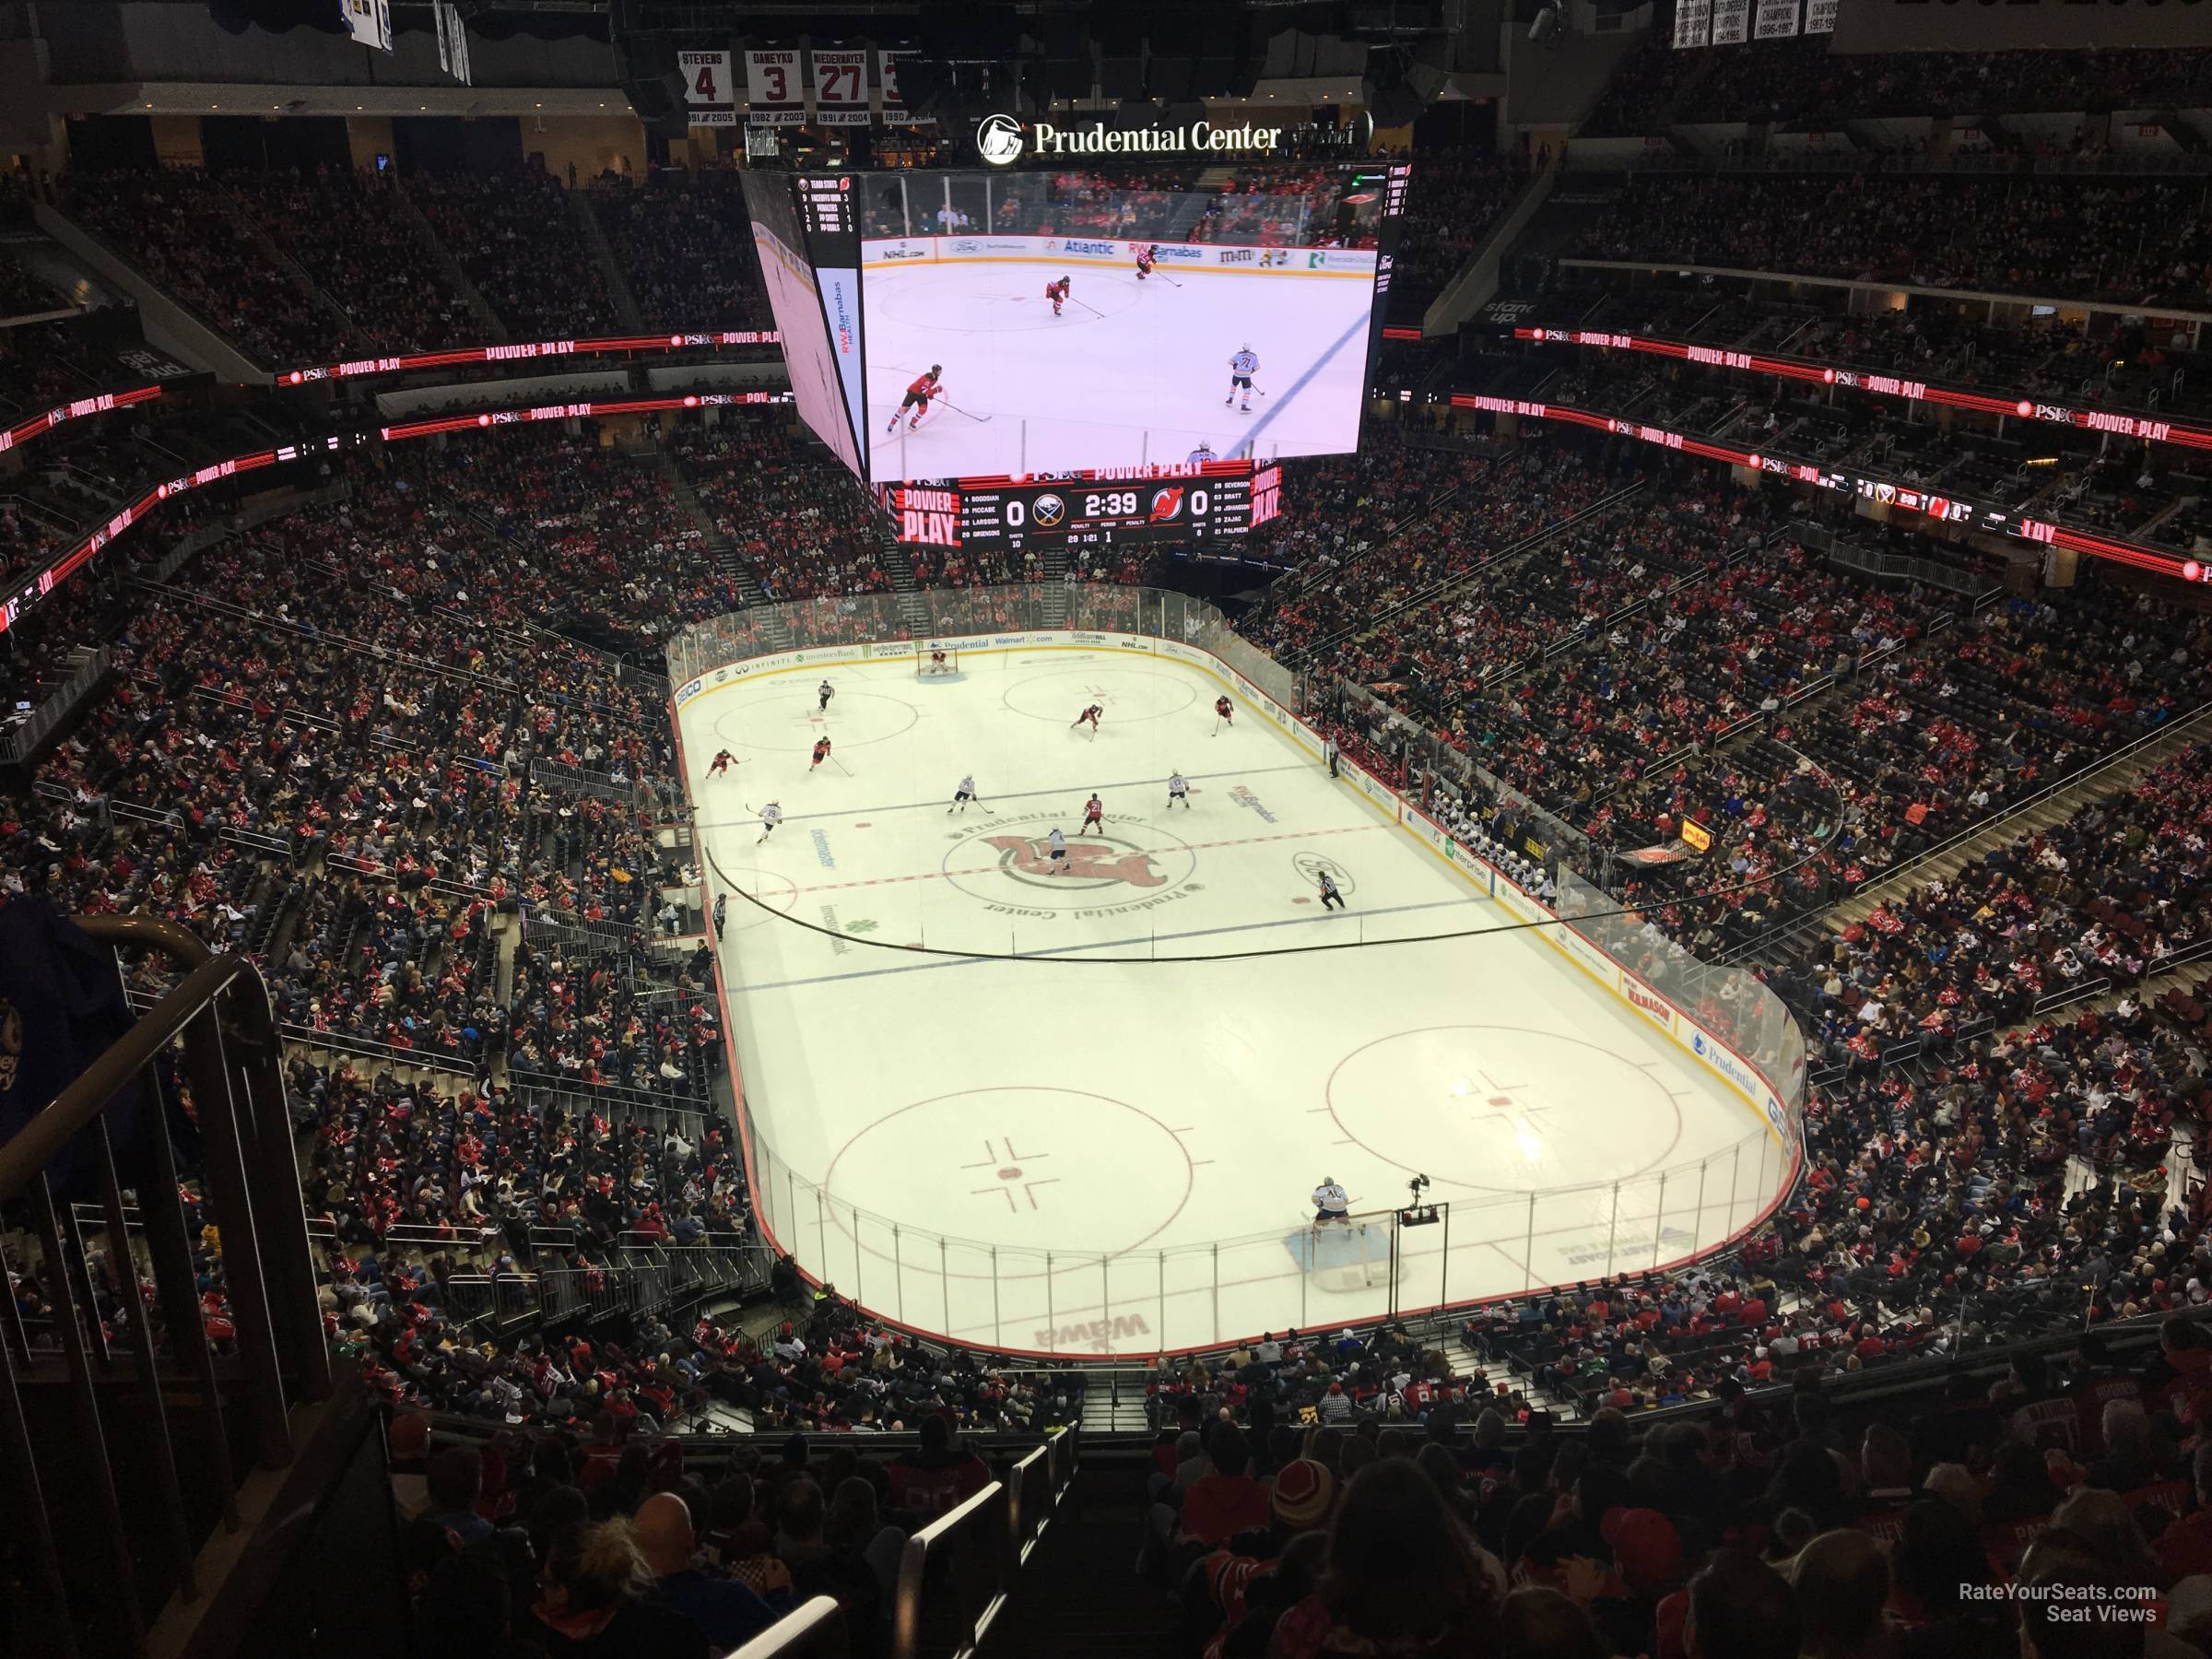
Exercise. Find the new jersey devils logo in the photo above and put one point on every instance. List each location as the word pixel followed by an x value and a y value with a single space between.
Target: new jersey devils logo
pixel 1096 859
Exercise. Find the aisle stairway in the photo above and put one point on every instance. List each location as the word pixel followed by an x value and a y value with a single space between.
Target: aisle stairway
pixel 1078 1596
pixel 2111 776
pixel 448 262
pixel 610 269
pixel 905 584
pixel 719 547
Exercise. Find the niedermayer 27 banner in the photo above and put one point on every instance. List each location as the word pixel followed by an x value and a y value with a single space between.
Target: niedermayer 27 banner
pixel 841 87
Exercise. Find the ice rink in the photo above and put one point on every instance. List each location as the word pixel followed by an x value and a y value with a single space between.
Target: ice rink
pixel 1101 1135
pixel 1131 373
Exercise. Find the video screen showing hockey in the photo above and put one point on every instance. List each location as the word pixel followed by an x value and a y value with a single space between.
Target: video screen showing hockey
pixel 1068 319
pixel 816 313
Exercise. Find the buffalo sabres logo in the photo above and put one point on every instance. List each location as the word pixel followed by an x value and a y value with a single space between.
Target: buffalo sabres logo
pixel 1093 860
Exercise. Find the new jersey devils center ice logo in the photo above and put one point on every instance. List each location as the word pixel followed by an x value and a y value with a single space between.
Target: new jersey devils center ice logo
pixel 1098 861
pixel 998 139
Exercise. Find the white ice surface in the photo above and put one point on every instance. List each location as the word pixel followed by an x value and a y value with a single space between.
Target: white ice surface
pixel 1095 1146
pixel 1128 373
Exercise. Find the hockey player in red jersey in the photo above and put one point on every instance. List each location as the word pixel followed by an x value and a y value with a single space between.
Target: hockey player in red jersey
pixel 821 751
pixel 721 763
pixel 1225 713
pixel 1090 714
pixel 1094 812
pixel 917 398
pixel 1146 253
pixel 1057 293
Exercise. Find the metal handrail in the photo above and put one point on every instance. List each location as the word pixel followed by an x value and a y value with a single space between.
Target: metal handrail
pixel 813 1632
pixel 973 1543
pixel 274 1357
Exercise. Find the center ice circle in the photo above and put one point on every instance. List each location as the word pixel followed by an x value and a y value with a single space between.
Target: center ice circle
pixel 1027 1168
pixel 1502 1109
pixel 782 718
pixel 1008 863
pixel 1065 693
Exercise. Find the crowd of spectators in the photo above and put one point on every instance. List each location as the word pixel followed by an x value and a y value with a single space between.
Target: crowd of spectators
pixel 1457 199
pixel 516 237
pixel 185 230
pixel 2136 241
pixel 685 245
pixel 798 519
pixel 1801 81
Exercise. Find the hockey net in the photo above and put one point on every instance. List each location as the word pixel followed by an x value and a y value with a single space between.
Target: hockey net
pixel 1355 1253
pixel 925 663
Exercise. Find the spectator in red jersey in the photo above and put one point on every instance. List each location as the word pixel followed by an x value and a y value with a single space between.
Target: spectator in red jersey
pixel 1227 1499
pixel 940 1476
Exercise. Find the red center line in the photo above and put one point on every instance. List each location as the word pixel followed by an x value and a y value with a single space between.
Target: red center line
pixel 1246 841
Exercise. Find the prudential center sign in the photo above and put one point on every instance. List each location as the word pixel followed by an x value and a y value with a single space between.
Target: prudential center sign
pixel 1001 140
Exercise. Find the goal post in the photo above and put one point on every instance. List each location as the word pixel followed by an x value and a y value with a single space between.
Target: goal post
pixel 1355 1253
pixel 926 663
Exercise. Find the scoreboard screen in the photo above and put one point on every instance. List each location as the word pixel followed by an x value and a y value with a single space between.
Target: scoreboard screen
pixel 1193 502
pixel 1011 321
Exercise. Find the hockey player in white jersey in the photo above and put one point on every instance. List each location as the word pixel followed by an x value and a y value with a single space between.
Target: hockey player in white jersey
pixel 1331 1203
pixel 1203 454
pixel 1179 789
pixel 771 816
pixel 1241 368
pixel 963 795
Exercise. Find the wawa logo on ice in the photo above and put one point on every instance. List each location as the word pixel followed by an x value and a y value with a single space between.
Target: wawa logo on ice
pixel 1095 860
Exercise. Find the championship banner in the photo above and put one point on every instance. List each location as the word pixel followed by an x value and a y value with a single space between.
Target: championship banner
pixel 841 87
pixel 1693 23
pixel 1778 19
pixel 709 94
pixel 1731 21
pixel 1820 15
pixel 775 94
pixel 453 41
pixel 894 113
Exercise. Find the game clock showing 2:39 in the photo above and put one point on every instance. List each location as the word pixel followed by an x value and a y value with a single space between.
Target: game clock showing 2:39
pixel 1079 514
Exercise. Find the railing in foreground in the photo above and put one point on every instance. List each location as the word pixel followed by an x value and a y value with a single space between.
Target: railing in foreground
pixel 955 1574
pixel 967 1563
pixel 815 1632
pixel 119 1422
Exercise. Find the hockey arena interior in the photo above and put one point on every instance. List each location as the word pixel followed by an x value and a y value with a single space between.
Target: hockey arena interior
pixel 1275 830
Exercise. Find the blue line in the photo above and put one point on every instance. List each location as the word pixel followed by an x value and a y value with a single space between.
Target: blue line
pixel 1021 794
pixel 1252 439
pixel 1200 932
